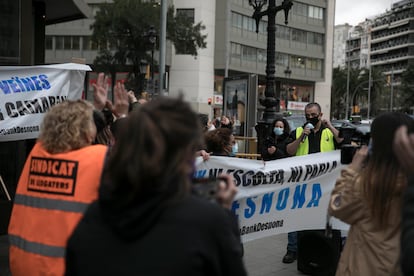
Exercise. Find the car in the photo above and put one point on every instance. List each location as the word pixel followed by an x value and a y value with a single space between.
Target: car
pixel 353 131
pixel 295 121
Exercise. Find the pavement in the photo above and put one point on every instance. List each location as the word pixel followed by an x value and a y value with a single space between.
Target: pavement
pixel 262 257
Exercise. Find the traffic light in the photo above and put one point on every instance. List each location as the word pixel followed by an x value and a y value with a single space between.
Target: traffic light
pixel 388 80
pixel 209 100
pixel 356 109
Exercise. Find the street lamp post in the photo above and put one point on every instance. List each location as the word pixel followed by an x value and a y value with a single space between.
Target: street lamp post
pixel 270 102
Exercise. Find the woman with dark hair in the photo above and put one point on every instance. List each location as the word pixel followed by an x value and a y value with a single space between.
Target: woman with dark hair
pixel 221 142
pixel 146 221
pixel 404 150
pixel 368 196
pixel 274 147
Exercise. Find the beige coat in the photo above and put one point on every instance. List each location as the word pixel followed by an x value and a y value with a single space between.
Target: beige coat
pixel 369 250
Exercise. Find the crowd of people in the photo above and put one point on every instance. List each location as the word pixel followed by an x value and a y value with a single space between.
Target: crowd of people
pixel 107 190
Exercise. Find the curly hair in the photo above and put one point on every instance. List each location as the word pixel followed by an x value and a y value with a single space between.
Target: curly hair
pixel 217 140
pixel 286 128
pixel 66 126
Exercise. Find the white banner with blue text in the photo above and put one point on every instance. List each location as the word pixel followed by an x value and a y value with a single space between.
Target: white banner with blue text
pixel 28 92
pixel 279 196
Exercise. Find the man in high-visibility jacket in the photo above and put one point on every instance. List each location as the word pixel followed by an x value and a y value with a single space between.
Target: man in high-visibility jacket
pixel 59 180
pixel 317 135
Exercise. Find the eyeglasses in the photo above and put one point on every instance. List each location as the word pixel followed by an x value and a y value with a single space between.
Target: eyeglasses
pixel 312 115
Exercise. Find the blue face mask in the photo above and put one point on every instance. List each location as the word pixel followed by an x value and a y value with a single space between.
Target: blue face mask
pixel 278 131
pixel 234 149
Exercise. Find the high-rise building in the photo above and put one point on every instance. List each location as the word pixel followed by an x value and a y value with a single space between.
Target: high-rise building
pixel 340 37
pixel 392 36
pixel 233 48
pixel 358 45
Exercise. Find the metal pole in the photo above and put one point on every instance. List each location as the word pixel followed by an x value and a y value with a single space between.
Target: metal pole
pixel 348 55
pixel 270 90
pixel 271 101
pixel 369 92
pixel 163 35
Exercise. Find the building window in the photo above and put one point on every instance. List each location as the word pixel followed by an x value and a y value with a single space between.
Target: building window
pixel 237 20
pixel 300 9
pixel 249 24
pixel 189 13
pixel 283 32
pixel 315 12
pixel 261 55
pixel 282 59
pixel 75 43
pixel 313 64
pixel 59 42
pixel 49 42
pixel 315 38
pixel 249 53
pixel 297 62
pixel 235 50
pixel 298 35
pixel 67 43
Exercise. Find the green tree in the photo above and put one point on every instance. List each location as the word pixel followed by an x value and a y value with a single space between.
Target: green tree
pixel 339 90
pixel 358 91
pixel 406 97
pixel 120 31
pixel 377 95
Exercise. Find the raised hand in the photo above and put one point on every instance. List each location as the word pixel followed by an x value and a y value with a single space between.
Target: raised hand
pixel 121 100
pixel 100 91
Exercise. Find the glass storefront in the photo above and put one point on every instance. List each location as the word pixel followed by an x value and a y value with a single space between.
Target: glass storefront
pixel 9 32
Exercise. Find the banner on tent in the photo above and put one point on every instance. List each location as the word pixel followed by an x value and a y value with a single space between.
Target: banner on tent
pixel 28 92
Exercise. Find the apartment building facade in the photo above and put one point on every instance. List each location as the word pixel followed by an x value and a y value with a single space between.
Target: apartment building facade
pixel 341 35
pixel 392 40
pixel 233 48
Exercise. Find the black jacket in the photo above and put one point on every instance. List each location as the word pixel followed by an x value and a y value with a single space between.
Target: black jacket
pixel 189 237
pixel 279 142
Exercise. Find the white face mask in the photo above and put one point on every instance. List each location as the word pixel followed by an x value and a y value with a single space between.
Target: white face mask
pixel 212 127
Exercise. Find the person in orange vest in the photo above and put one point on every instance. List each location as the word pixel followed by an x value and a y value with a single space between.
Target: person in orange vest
pixel 59 180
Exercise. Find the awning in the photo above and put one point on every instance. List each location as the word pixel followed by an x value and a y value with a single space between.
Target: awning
pixel 65 10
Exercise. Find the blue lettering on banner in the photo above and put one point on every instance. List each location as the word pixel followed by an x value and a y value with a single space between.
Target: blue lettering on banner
pixel 27 84
pixel 280 200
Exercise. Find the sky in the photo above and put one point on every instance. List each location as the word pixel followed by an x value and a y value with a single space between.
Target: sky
pixel 355 11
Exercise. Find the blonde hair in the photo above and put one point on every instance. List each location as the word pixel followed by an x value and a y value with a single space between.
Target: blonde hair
pixel 66 126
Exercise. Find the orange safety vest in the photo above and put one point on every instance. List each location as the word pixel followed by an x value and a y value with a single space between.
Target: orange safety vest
pixel 54 191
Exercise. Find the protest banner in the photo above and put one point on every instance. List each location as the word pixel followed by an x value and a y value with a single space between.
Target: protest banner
pixel 28 92
pixel 279 196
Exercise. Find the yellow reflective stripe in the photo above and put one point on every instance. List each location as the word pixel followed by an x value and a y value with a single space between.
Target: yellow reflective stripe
pixel 37 248
pixel 51 204
pixel 327 141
